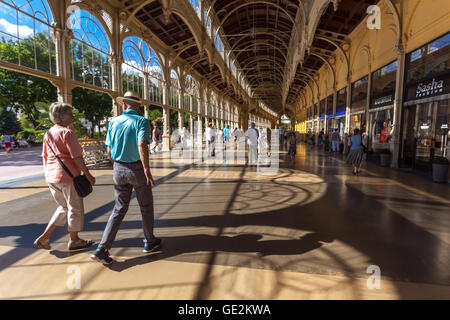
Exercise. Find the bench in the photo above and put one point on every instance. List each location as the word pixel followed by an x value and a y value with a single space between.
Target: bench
pixel 94 152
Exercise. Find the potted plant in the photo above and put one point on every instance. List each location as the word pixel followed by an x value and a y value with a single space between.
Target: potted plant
pixel 385 157
pixel 440 169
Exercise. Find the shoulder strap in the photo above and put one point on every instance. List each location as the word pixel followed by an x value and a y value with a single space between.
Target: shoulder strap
pixel 59 159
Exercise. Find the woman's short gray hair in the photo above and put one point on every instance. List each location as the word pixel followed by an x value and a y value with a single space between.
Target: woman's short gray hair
pixel 58 111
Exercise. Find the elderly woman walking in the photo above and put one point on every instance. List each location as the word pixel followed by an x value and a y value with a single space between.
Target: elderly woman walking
pixel 355 156
pixel 63 142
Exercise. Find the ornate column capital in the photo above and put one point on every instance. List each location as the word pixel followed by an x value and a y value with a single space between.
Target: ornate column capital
pixel 399 48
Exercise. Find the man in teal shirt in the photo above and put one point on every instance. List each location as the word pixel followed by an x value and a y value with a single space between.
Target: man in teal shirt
pixel 226 133
pixel 127 143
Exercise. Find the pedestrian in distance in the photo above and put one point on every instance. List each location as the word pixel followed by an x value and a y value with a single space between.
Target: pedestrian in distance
pixel 292 147
pixel 61 141
pixel 16 142
pixel 252 135
pixel 356 143
pixel 226 133
pixel 7 140
pixel 335 140
pixel 155 141
pixel 210 137
pixel 127 143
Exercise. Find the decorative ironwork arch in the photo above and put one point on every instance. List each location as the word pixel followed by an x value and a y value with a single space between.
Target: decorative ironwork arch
pixel 90 50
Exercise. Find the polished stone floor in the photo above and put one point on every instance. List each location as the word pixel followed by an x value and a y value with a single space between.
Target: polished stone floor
pixel 310 231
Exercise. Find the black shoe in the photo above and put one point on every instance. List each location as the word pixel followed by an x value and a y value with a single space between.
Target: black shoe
pixel 101 255
pixel 155 245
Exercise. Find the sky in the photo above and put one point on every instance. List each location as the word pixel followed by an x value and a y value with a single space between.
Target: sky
pixel 10 18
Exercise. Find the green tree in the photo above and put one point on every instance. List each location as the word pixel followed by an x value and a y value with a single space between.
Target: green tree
pixel 10 125
pixel 25 122
pixel 95 106
pixel 24 91
pixel 155 115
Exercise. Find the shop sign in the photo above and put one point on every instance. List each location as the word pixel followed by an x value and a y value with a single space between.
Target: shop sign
pixel 383 101
pixel 429 88
pixel 433 87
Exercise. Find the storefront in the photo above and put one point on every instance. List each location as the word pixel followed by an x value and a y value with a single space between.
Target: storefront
pixel 315 116
pixel 358 106
pixel 329 112
pixel 341 108
pixel 322 115
pixel 426 111
pixel 309 125
pixel 381 108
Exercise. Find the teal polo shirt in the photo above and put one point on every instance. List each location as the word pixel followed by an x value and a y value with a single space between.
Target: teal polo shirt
pixel 124 134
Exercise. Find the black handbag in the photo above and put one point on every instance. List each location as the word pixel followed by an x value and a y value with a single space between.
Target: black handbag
pixel 81 184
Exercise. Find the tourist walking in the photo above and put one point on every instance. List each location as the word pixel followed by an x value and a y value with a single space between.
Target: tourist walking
pixel 252 135
pixel 16 142
pixel 269 141
pixel 321 134
pixel 292 147
pixel 209 137
pixel 127 143
pixel 62 142
pixel 226 133
pixel 7 140
pixel 355 156
pixel 155 141
pixel 335 141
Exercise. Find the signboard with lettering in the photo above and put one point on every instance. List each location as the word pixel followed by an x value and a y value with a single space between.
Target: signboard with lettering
pixel 382 101
pixel 435 86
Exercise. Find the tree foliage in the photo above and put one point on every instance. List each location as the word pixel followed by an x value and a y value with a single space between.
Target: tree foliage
pixel 10 125
pixel 23 91
pixel 95 106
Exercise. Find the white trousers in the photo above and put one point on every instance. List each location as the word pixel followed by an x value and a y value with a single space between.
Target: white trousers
pixel 252 154
pixel 71 207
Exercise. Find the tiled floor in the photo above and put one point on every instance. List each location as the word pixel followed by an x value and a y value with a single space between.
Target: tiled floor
pixel 307 232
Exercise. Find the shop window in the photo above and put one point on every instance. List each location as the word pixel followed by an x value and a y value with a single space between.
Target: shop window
pixel 359 94
pixel 322 109
pixel 330 106
pixel 381 126
pixel 429 61
pixel 383 86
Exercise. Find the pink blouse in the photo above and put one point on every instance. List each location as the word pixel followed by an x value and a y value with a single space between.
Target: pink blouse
pixel 65 144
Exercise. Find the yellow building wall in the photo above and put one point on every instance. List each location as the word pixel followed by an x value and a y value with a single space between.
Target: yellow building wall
pixel 422 21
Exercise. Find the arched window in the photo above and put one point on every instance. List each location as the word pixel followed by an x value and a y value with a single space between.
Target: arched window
pixel 207 21
pixel 155 79
pixel 174 90
pixel 219 46
pixel 25 34
pixel 133 65
pixel 190 95
pixel 139 58
pixel 89 50
pixel 196 5
pixel 212 106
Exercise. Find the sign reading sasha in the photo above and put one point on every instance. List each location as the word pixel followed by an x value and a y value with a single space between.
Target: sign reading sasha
pixel 435 86
pixel 428 72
